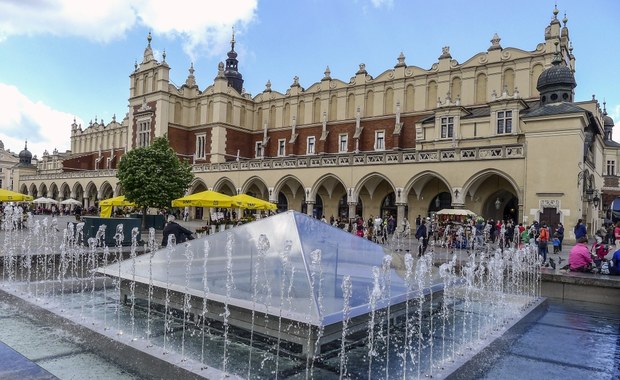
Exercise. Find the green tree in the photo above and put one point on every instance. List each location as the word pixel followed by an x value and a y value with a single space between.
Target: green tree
pixel 153 176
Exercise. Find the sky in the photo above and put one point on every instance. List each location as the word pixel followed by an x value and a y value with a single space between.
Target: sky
pixel 66 59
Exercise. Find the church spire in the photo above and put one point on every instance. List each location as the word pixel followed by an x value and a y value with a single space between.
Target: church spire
pixel 234 77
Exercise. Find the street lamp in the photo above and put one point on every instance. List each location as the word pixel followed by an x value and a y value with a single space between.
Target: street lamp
pixel 596 200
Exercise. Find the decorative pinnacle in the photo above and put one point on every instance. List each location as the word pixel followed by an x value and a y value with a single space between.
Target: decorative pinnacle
pixel 555 11
pixel 149 38
pixel 163 55
pixel 565 19
pixel 232 41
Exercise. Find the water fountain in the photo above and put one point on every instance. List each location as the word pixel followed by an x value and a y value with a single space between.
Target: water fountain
pixel 285 296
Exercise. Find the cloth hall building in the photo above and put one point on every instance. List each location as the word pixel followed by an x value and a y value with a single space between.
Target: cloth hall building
pixel 409 141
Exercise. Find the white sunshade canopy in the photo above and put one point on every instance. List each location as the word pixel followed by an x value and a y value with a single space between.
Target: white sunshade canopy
pixel 71 201
pixel 43 200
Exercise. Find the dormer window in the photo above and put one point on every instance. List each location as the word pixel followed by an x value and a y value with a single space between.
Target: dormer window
pixel 310 145
pixel 343 145
pixel 379 140
pixel 447 127
pixel 201 140
pixel 259 149
pixel 281 147
pixel 504 122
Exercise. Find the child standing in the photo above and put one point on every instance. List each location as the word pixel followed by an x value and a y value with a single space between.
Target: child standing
pixel 556 243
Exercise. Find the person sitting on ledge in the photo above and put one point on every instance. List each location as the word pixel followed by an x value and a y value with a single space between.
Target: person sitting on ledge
pixel 614 264
pixel 180 233
pixel 579 258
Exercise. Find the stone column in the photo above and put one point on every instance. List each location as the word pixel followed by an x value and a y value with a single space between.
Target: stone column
pixel 400 210
pixel 309 207
pixel 352 207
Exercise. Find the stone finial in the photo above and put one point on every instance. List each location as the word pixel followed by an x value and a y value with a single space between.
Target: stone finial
pixel 327 74
pixel 495 43
pixel 163 56
pixel 268 86
pixel 191 80
pixel 295 82
pixel 148 52
pixel 400 60
pixel 220 70
pixel 135 65
pixel 445 52
pixel 362 69
pixel 114 118
pixel 565 19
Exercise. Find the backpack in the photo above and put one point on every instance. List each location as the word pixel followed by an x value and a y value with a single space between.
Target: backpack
pixel 418 232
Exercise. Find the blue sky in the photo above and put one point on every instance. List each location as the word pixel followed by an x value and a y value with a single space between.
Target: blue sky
pixel 72 58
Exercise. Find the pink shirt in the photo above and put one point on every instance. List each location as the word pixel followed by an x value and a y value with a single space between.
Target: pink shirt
pixel 579 256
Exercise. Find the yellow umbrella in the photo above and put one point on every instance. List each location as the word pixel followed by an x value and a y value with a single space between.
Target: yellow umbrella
pixel 108 204
pixel 206 198
pixel 252 203
pixel 12 196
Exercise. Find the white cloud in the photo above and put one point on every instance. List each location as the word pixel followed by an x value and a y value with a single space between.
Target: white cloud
pixel 202 25
pixel 614 112
pixel 43 127
pixel 380 3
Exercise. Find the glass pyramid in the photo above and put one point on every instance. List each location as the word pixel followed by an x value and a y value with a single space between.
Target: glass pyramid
pixel 288 265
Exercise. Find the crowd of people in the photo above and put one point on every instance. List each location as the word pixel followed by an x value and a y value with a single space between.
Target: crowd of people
pixel 593 258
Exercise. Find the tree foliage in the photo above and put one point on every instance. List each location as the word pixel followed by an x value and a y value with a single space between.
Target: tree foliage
pixel 153 176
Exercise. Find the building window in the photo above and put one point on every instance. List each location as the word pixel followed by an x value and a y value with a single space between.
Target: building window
pixel 259 149
pixel 144 133
pixel 504 122
pixel 379 140
pixel 344 143
pixel 310 145
pixel 281 148
pixel 611 167
pixel 200 146
pixel 447 127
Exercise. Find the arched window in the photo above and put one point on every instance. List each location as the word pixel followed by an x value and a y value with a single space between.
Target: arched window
pixel 388 104
pixel 229 112
pixel 481 88
pixel 178 113
pixel 333 108
pixel 301 110
pixel 370 102
pixel 242 116
pixel 272 117
pixel 197 114
pixel 350 106
pixel 431 95
pixel 286 118
pixel 455 88
pixel 409 98
pixel 154 83
pixel 316 111
pixel 509 81
pixel 210 112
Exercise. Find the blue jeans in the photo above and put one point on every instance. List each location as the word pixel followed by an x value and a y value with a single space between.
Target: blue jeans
pixel 542 250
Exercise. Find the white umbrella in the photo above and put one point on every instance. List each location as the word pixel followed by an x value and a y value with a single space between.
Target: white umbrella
pixel 71 201
pixel 456 211
pixel 44 200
